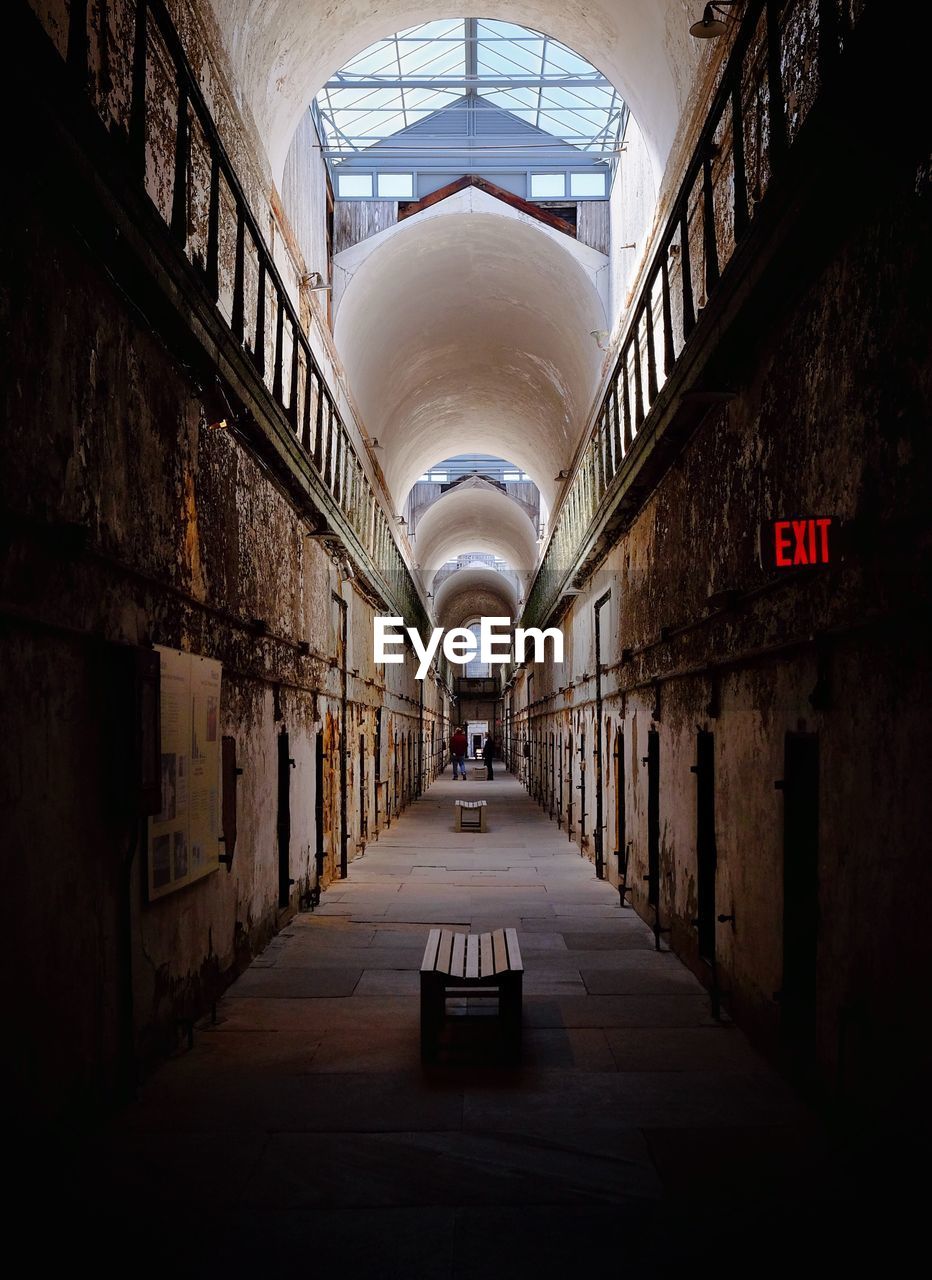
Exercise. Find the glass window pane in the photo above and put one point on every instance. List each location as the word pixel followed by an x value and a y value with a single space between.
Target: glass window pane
pixel 587 184
pixel 396 186
pixel 544 186
pixel 352 186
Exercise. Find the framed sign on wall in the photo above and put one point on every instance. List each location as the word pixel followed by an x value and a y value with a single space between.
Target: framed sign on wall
pixel 184 843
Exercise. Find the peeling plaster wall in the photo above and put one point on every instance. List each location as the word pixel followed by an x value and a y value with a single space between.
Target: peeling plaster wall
pixel 834 420
pixel 497 355
pixel 128 521
pixel 633 206
pixel 304 196
pixel 475 516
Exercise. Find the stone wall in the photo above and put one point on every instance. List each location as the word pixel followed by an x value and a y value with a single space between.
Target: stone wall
pixel 830 417
pixel 129 520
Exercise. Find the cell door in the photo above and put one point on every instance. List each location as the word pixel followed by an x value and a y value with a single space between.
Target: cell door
pixel 319 851
pixel 706 854
pixel 284 820
pixel 570 807
pixel 377 761
pixel 798 999
pixel 621 844
pixel 583 815
pixel 363 830
pixel 652 759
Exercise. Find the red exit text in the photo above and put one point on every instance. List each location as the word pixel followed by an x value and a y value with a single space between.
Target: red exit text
pixel 794 543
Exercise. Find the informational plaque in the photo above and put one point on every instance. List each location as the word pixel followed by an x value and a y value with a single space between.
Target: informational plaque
pixel 184 840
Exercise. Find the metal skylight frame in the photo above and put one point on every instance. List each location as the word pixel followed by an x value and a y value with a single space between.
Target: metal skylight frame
pixel 445 66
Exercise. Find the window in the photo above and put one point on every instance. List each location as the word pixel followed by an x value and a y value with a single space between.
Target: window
pixel 396 186
pixel 354 186
pixel 547 186
pixel 584 185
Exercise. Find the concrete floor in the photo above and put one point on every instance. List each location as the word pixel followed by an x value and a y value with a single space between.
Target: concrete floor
pixel 637 1136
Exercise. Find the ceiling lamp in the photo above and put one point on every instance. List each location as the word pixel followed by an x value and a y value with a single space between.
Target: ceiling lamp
pixel 711 27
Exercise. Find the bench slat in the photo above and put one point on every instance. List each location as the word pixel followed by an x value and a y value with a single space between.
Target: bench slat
pixel 514 951
pixel 500 951
pixel 430 951
pixel 444 951
pixel 459 955
pixel 486 965
pixel 472 956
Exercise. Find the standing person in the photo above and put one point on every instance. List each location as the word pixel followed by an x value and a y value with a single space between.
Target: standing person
pixel 487 752
pixel 459 745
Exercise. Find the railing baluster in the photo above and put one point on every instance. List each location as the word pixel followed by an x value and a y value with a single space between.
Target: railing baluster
pixel 611 461
pixel 666 315
pixel 828 39
pixel 346 474
pixel 277 367
pixel 137 109
pixel 709 245
pixel 319 427
pixel 293 389
pixel 328 459
pixel 259 349
pixel 776 103
pixel 638 389
pixel 337 470
pixel 616 422
pixel 179 218
pixel 739 171
pixel 686 272
pixel 77 50
pixel 308 394
pixel 626 397
pixel 212 265
pixel 238 320
pixel 651 355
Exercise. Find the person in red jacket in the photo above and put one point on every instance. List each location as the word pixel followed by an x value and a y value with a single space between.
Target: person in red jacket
pixel 458 749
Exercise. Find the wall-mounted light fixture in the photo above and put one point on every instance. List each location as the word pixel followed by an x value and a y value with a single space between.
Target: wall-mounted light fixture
pixel 710 26
pixel 314 280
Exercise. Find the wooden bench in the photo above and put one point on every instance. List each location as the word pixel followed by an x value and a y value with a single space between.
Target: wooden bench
pixel 482 965
pixel 470 814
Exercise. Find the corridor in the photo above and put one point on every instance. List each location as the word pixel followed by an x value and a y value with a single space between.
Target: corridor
pixel 307 1114
pixel 341 340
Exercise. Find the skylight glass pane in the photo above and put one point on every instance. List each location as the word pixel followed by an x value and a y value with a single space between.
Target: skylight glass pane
pixel 587 184
pixel 398 82
pixel 355 186
pixel 396 186
pixel 547 186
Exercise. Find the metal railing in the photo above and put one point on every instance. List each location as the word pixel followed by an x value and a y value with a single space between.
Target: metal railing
pixel 782 54
pixel 155 106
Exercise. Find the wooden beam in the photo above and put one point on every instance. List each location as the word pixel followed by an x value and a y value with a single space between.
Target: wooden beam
pixel 410 208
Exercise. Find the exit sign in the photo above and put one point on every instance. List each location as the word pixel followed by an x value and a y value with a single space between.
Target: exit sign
pixel 798 544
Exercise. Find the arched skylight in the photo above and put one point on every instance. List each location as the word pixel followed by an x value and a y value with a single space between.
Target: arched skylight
pixel 443 77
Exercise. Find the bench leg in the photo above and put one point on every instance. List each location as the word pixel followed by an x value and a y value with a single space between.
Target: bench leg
pixel 509 1009
pixel 432 1011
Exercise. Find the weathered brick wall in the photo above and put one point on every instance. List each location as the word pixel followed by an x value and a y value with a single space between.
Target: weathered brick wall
pixel 832 419
pixel 127 519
